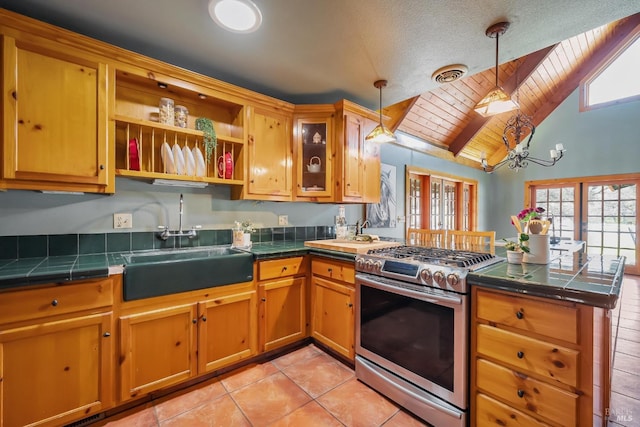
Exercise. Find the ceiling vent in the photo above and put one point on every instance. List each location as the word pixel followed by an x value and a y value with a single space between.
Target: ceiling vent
pixel 449 73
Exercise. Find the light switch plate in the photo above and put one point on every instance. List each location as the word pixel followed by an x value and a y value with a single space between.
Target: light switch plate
pixel 122 220
pixel 283 219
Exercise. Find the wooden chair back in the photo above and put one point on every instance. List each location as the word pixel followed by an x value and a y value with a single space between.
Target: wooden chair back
pixel 476 241
pixel 425 237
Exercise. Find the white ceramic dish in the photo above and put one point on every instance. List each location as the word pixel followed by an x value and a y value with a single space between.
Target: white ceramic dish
pixel 167 159
pixel 190 162
pixel 178 158
pixel 201 169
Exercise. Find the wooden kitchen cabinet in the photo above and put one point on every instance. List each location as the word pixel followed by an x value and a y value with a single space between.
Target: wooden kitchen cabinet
pixel 269 160
pixel 537 361
pixel 332 305
pixel 195 333
pixel 55 117
pixel 56 353
pixel 313 152
pixel 282 290
pixel 357 163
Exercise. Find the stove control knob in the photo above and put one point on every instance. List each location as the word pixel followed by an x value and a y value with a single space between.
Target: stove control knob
pixel 453 279
pixel 438 276
pixel 360 264
pixel 425 275
pixel 368 265
pixel 377 266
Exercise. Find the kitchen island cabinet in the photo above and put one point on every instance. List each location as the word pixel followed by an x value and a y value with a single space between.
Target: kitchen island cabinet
pixel 194 332
pixel 56 353
pixel 282 290
pixel 55 116
pixel 332 305
pixel 538 361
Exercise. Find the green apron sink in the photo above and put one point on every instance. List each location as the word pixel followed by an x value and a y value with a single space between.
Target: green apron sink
pixel 166 272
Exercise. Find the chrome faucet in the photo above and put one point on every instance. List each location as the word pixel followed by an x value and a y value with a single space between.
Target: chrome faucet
pixel 166 233
pixel 359 226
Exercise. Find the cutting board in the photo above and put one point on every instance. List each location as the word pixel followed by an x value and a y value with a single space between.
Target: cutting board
pixel 351 247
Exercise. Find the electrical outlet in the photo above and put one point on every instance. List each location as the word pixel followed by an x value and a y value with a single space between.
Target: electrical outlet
pixel 283 219
pixel 122 220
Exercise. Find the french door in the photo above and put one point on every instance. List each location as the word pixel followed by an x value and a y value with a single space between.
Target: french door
pixel 604 212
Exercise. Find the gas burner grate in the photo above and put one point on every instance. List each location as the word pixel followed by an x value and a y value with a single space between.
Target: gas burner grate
pixel 454 258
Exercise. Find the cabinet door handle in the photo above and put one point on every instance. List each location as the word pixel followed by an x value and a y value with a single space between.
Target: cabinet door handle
pixel 54 303
pixel 519 314
pixel 330 270
pixel 284 268
pixel 106 334
pixel 263 299
pixel 520 393
pixel 204 318
pixel 520 355
pixel 350 305
pixel 194 321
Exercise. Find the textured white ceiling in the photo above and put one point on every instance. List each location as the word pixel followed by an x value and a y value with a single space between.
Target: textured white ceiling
pixel 315 51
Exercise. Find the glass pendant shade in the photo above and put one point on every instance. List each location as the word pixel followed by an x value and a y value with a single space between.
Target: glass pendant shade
pixel 496 102
pixel 380 134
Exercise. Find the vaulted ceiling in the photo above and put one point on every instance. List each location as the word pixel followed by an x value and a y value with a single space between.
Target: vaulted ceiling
pixel 445 119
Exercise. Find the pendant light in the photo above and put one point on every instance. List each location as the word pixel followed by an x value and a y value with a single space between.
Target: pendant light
pixel 381 133
pixel 496 101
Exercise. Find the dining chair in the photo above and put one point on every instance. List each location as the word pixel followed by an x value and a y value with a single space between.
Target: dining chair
pixel 476 241
pixel 425 237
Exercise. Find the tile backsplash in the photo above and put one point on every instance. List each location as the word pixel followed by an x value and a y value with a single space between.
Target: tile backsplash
pixel 12 247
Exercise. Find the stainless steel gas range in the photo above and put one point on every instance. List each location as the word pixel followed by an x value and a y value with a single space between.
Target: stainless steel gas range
pixel 412 328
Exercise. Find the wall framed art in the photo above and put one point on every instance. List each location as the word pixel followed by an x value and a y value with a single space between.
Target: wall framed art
pixel 383 214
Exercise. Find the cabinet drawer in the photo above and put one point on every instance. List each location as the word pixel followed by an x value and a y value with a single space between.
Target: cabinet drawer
pixel 490 412
pixel 526 393
pixel 283 267
pixel 537 316
pixel 551 361
pixel 21 305
pixel 344 272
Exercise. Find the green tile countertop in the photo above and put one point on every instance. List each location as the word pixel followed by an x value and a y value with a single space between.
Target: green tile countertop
pixel 579 277
pixel 20 272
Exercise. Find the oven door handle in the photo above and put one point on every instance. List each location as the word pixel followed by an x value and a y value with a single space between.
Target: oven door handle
pixel 423 296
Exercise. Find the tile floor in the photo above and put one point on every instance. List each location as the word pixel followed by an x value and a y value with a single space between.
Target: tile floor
pixel 625 385
pixel 309 388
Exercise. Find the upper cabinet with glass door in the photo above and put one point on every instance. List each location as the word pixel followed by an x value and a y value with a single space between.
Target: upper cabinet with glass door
pixel 313 147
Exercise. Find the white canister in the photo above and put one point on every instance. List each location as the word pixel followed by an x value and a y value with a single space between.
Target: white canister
pixel 539 249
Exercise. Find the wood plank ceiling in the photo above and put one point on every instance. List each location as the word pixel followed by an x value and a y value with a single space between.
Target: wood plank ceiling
pixel 444 118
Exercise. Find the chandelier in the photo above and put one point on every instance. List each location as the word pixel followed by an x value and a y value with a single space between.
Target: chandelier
pixel 519 157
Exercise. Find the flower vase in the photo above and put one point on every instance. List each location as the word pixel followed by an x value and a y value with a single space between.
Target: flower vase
pixel 514 257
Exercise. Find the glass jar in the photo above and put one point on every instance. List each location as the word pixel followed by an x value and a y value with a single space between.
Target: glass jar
pixel 166 114
pixel 181 116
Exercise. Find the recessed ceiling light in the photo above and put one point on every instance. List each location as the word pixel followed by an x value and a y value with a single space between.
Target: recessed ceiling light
pixel 238 16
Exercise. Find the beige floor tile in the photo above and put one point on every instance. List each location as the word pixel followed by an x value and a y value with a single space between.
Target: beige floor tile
pixel 319 374
pixel 301 354
pixel 356 405
pixel 247 375
pixel 221 412
pixel 269 399
pixel 310 415
pixel 192 398
pixel 403 419
pixel 137 417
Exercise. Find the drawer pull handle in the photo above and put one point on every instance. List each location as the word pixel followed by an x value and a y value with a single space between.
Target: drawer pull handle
pixel 520 355
pixel 520 393
pixel 519 314
pixel 106 334
pixel 54 303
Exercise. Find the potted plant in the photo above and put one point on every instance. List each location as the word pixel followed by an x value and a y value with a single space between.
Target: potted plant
pixel 516 250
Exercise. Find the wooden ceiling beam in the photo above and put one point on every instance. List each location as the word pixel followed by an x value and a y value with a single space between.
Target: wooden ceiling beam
pixel 528 66
pixel 396 113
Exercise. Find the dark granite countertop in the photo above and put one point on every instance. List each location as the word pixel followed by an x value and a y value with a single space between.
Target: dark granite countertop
pixel 587 279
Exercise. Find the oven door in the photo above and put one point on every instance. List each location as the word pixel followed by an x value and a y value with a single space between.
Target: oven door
pixel 417 333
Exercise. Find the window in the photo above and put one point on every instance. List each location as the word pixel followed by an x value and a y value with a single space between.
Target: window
pixel 616 80
pixel 602 212
pixel 448 203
